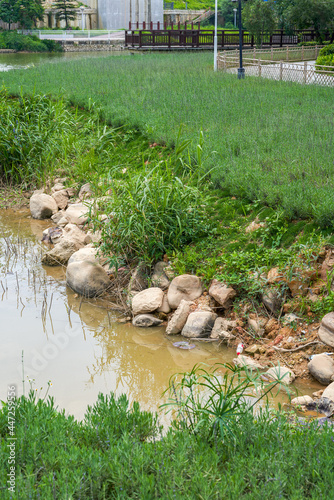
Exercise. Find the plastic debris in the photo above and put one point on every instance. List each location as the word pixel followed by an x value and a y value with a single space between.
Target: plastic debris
pixel 183 345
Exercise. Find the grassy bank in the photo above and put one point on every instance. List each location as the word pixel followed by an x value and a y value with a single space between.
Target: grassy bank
pixel 265 140
pixel 118 452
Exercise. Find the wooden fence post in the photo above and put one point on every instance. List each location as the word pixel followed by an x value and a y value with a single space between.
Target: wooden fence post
pixel 287 52
pixel 316 51
pixel 302 52
pixel 254 55
pixel 281 70
pixel 305 72
pixel 260 67
pixel 272 53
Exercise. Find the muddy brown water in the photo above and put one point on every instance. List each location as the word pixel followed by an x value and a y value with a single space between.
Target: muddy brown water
pixel 80 346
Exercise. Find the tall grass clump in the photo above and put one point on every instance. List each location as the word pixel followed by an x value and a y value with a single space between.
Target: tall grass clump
pixel 266 140
pixel 151 212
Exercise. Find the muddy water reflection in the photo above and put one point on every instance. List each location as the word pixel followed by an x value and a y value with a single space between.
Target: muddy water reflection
pixel 78 345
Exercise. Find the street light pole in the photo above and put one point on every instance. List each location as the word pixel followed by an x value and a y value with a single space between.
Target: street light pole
pixel 215 41
pixel 241 70
pixel 82 8
pixel 235 17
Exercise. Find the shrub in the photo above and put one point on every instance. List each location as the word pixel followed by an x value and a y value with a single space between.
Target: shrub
pixel 17 41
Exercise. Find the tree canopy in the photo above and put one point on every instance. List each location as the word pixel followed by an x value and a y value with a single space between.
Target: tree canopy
pixel 25 12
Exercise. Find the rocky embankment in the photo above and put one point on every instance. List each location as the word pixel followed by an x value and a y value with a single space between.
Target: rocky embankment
pixel 275 340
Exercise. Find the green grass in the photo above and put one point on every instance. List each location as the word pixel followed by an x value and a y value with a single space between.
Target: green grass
pixel 118 452
pixel 265 140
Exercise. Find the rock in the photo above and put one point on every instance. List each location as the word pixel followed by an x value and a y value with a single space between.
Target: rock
pixel 253 349
pixel 61 198
pixel 42 206
pixel 272 299
pixel 52 235
pixel 73 233
pixel 71 192
pixel 254 226
pixel 87 253
pixel 87 278
pixel 327 265
pixel 77 214
pixel 290 318
pixel 169 272
pixel 60 254
pixel 247 362
pixel 298 287
pixel 326 330
pixel 58 216
pixel 318 394
pixel 271 325
pixel 321 367
pixel 274 276
pixel 301 400
pixel 59 186
pixel 323 405
pixel 222 329
pixel 283 373
pixel 139 278
pixel 164 308
pixel 257 325
pixel 146 320
pixel 159 277
pixel 329 392
pixel 85 192
pixel 199 324
pixel 186 286
pixel 221 293
pixel 179 318
pixel 63 221
pixel 147 301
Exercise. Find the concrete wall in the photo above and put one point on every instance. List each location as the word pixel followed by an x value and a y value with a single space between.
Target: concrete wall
pixel 116 14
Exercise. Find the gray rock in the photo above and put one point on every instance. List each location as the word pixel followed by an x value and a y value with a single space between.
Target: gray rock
pixel 58 216
pixel 85 192
pixel 147 301
pixel 257 325
pixel 329 392
pixel 321 367
pixel 87 253
pixel 272 299
pixel 222 329
pixel 326 330
pixel 323 405
pixel 283 373
pixel 61 198
pixel 146 320
pixel 42 206
pixel 301 401
pixel 199 324
pixel 184 287
pixel 77 214
pixel 60 254
pixel 164 308
pixel 139 278
pixel 247 362
pixel 159 277
pixel 222 293
pixel 87 278
pixel 179 318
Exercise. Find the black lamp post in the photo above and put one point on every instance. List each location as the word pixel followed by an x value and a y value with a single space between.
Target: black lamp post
pixel 241 70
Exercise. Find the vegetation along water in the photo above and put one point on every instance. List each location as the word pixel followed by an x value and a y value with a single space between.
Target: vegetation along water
pixel 223 179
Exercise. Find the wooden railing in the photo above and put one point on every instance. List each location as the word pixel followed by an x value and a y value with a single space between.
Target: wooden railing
pixel 204 38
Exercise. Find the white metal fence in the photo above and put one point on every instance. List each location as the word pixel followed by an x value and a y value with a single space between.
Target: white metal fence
pixel 74 34
pixel 302 72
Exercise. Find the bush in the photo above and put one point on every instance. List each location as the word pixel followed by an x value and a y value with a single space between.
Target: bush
pixel 327 51
pixel 31 43
pixel 326 58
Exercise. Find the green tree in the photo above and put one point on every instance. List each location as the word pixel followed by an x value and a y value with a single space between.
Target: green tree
pixel 9 11
pixel 317 14
pixel 67 10
pixel 30 11
pixel 259 17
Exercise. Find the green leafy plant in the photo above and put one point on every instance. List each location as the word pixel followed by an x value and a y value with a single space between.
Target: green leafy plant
pixel 209 401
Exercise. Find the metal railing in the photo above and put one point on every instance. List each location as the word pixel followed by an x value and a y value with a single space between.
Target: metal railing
pixel 73 34
pixel 302 72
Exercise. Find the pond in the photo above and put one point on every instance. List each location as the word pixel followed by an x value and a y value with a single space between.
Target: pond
pixel 9 61
pixel 49 333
